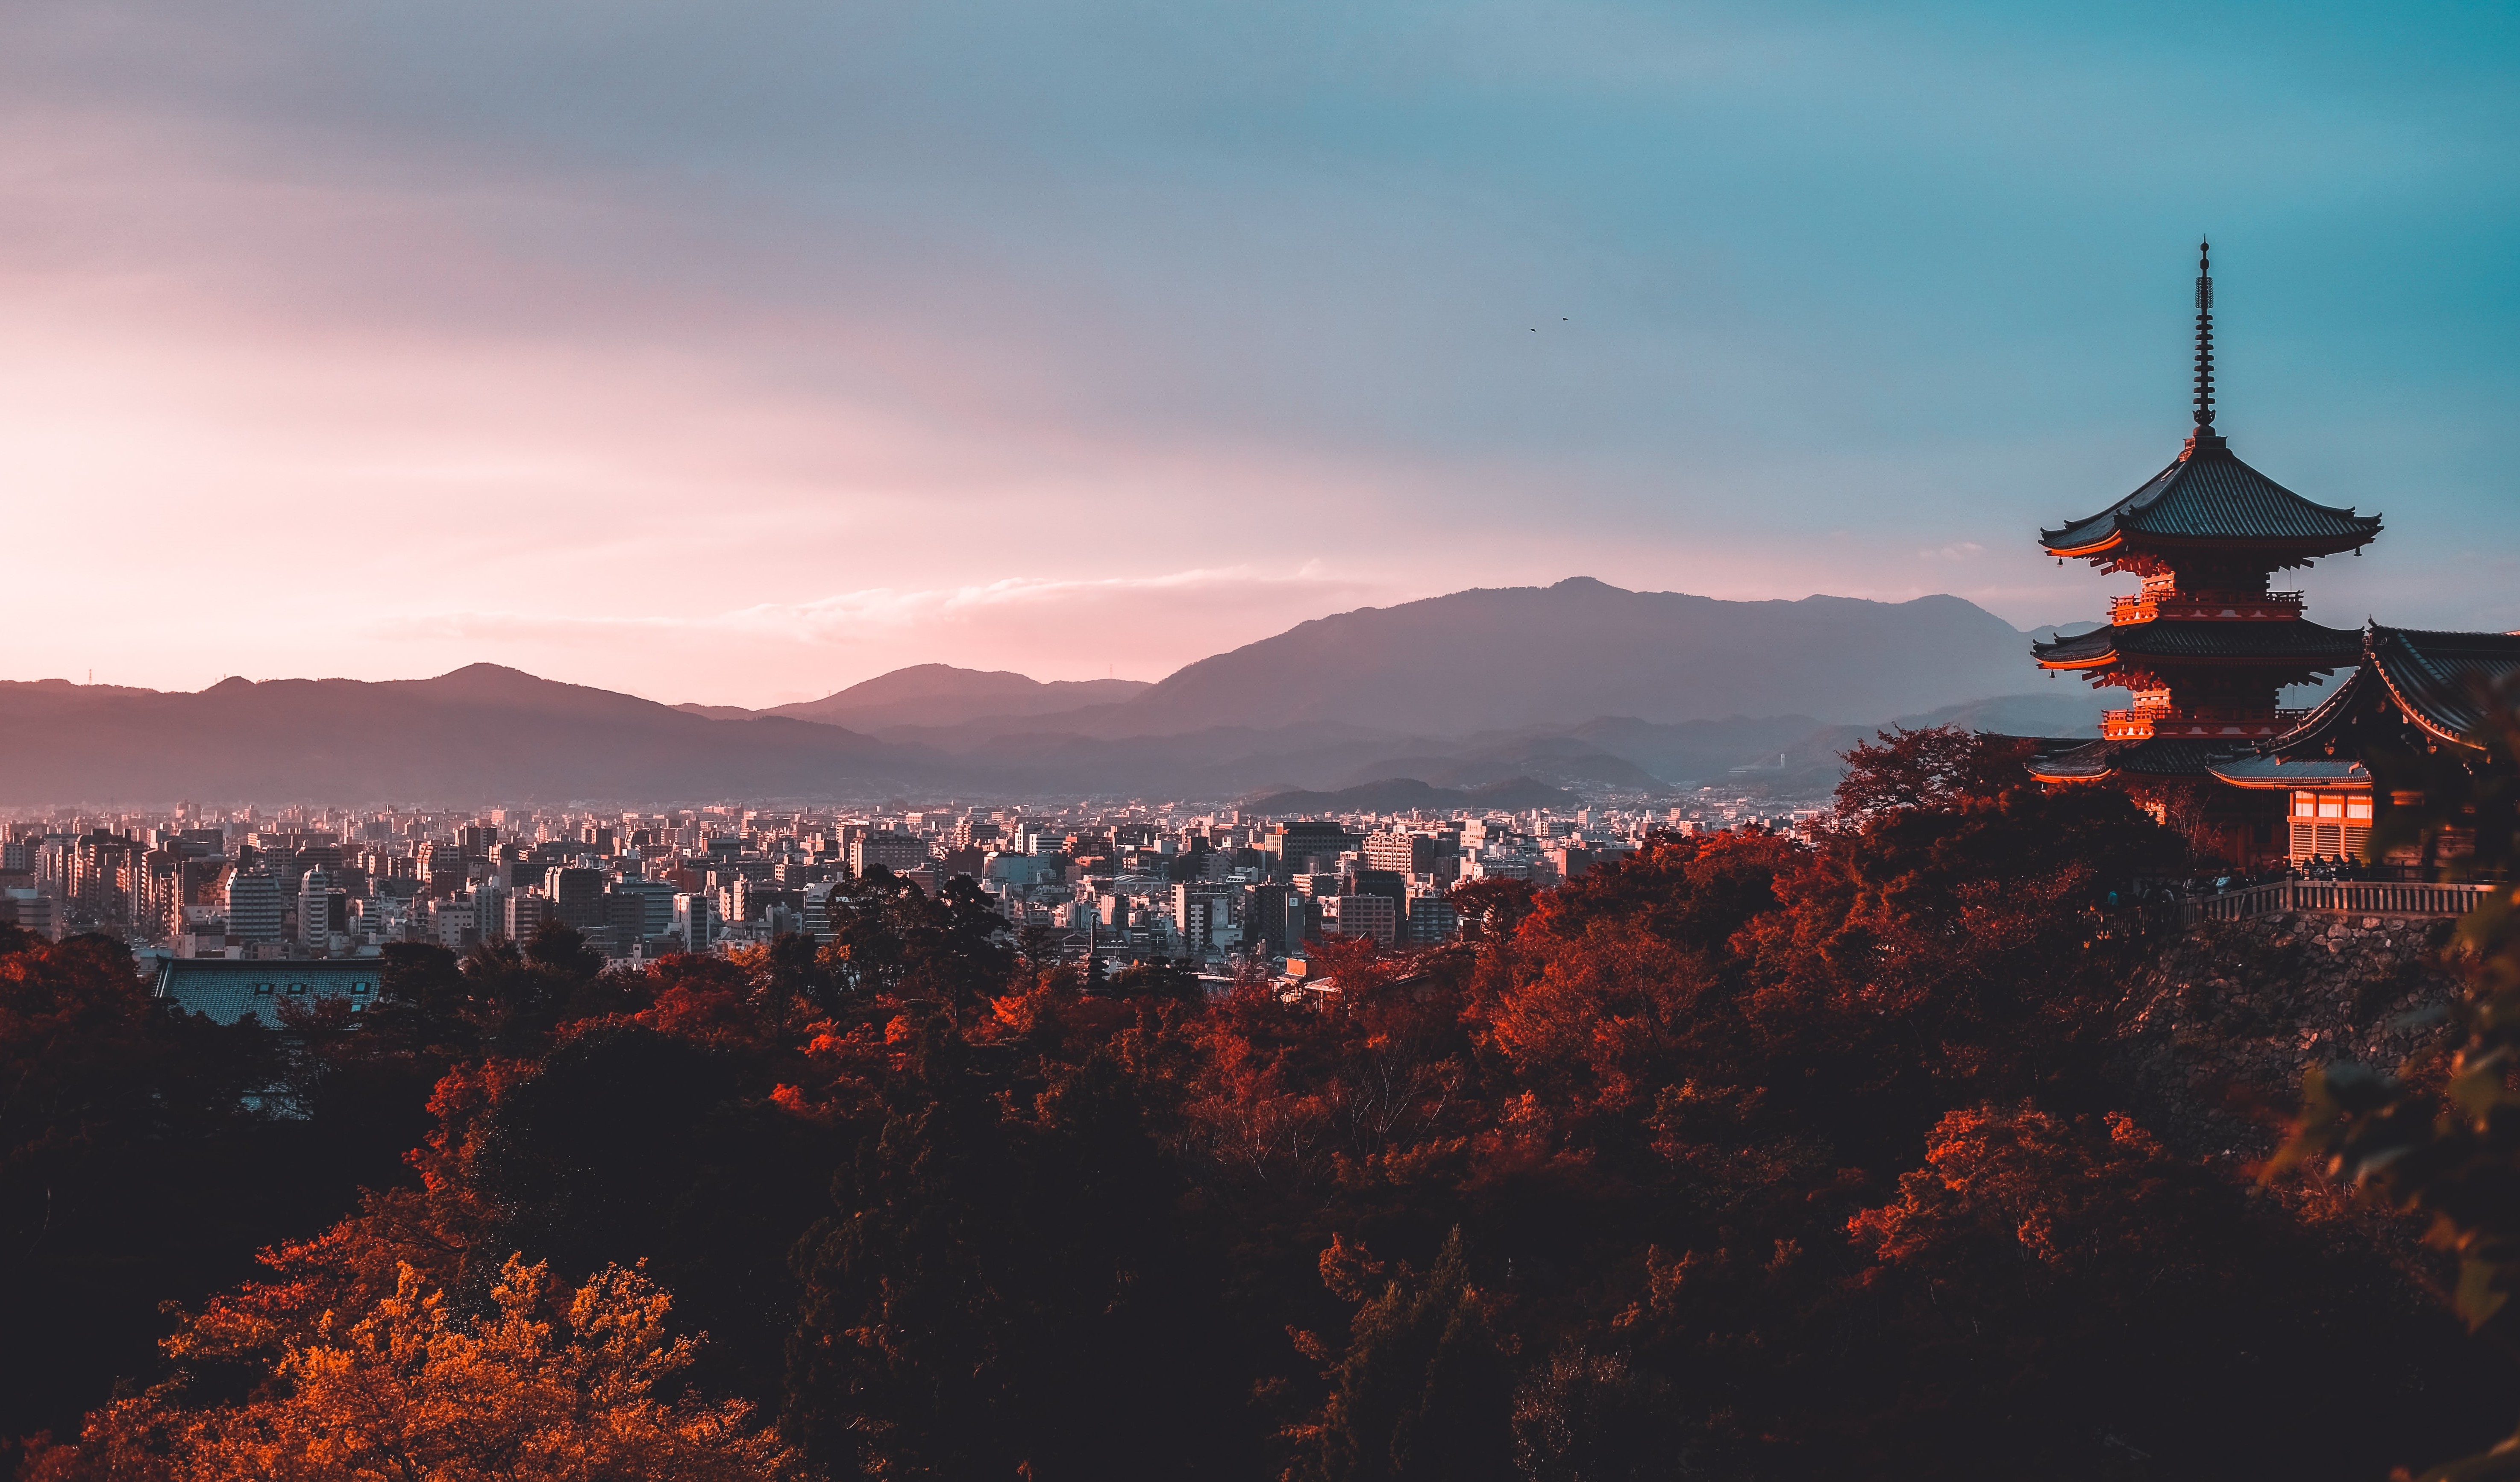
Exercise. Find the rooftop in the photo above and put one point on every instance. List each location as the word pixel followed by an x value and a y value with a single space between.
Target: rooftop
pixel 2208 495
pixel 228 991
pixel 2202 640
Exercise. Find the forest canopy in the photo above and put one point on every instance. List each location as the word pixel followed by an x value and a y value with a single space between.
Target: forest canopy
pixel 1737 1157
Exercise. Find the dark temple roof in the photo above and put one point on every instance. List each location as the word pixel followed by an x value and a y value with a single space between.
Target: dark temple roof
pixel 2176 639
pixel 2211 495
pixel 2155 756
pixel 2432 679
pixel 2435 677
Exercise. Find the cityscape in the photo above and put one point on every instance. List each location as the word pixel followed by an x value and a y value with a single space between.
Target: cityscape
pixel 1123 883
pixel 1065 742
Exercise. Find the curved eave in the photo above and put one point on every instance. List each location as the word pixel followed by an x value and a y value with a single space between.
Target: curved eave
pixel 2074 552
pixel 2417 713
pixel 2102 775
pixel 2102 662
pixel 2267 774
pixel 2323 719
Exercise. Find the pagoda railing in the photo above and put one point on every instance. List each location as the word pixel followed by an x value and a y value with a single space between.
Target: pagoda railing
pixel 2337 898
pixel 2206 721
pixel 2205 607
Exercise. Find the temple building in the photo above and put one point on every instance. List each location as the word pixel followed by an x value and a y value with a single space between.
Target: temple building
pixel 2409 737
pixel 2207 646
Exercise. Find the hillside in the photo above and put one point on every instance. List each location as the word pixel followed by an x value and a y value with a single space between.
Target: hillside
pixel 480 733
pixel 1521 656
pixel 941 694
pixel 1578 685
pixel 1399 794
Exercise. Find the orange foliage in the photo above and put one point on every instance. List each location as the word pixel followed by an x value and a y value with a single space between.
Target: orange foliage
pixel 547 1386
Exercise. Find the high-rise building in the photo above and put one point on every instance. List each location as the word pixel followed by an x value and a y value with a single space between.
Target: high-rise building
pixel 525 913
pixel 254 906
pixel 322 911
pixel 1424 854
pixel 695 921
pixel 896 852
pixel 644 904
pixel 1432 920
pixel 1272 917
pixel 576 896
pixel 1295 847
pixel 1370 916
pixel 1199 910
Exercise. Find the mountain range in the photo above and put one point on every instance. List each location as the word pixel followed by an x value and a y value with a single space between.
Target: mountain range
pixel 1578 685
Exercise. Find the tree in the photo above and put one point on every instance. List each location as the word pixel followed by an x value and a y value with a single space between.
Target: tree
pixel 1421 1390
pixel 2449 1156
pixel 1929 767
pixel 546 1386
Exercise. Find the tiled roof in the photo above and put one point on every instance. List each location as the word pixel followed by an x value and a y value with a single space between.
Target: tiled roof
pixel 228 991
pixel 2211 495
pixel 2172 638
pixel 2432 678
pixel 2158 756
pixel 2275 772
pixel 2435 677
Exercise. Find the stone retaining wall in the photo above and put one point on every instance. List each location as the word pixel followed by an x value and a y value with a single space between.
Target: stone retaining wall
pixel 2223 1028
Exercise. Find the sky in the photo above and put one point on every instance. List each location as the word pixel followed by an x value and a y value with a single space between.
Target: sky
pixel 736 352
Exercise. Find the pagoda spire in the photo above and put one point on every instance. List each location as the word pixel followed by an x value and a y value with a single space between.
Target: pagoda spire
pixel 2204 339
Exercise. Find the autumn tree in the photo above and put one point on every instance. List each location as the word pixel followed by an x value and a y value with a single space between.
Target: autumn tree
pixel 547 1386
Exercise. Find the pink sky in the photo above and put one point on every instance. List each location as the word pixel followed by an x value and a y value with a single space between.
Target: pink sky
pixel 371 353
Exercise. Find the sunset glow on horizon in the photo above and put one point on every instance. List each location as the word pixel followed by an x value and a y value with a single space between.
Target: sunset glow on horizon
pixel 739 354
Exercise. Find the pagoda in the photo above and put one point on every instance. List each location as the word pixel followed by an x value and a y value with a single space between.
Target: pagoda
pixel 2205 645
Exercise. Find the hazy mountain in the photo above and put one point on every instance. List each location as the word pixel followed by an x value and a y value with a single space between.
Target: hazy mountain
pixel 1512 659
pixel 1578 685
pixel 1399 794
pixel 940 694
pixel 482 734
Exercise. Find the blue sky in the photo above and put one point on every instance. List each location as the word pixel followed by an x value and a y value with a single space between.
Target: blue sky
pixel 738 353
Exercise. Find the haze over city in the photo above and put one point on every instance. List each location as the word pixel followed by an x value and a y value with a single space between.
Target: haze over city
pixel 735 354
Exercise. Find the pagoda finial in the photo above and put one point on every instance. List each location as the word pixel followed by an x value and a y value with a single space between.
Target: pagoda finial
pixel 2204 339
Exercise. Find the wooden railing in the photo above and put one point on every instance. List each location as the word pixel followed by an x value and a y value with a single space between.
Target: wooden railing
pixel 2337 898
pixel 2195 720
pixel 2145 606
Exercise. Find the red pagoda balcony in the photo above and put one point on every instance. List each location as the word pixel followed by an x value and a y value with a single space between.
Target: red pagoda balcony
pixel 2196 722
pixel 2205 607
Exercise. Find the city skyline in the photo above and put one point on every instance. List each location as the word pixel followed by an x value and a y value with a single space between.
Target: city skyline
pixel 734 358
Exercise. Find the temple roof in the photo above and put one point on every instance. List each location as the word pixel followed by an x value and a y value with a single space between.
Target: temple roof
pixel 2176 639
pixel 2210 495
pixel 2156 756
pixel 2275 772
pixel 2432 678
pixel 2435 677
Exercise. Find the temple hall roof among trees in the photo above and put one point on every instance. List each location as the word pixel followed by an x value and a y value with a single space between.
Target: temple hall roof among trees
pixel 2208 494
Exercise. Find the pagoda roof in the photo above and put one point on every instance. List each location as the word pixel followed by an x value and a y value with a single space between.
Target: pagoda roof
pixel 2202 640
pixel 2152 756
pixel 2208 495
pixel 2434 679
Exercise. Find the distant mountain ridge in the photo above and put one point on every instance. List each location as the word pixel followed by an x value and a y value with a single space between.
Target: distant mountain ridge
pixel 1579 685
pixel 941 694
pixel 1398 794
pixel 482 732
pixel 1494 658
